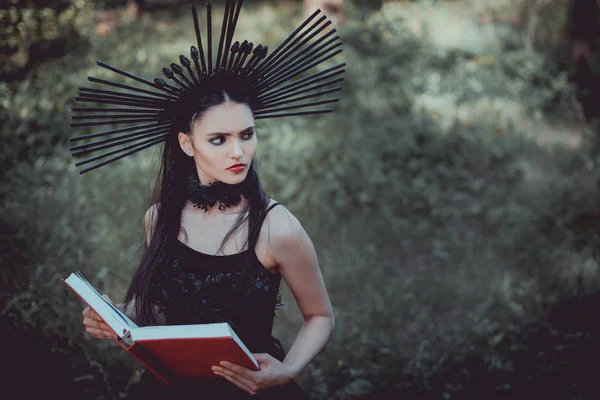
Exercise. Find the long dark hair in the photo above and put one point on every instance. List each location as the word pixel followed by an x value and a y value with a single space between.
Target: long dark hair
pixel 169 196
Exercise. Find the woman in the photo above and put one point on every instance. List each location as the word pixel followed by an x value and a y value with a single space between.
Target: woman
pixel 216 245
pixel 243 236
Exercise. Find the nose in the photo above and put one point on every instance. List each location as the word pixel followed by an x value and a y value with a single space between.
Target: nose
pixel 237 151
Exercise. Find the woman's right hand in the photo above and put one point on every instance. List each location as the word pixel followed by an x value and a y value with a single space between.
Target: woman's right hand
pixel 95 325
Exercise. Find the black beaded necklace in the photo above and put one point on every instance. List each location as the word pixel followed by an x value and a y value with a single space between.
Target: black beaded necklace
pixel 206 196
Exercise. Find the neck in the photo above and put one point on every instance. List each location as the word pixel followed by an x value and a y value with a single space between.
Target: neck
pixel 216 195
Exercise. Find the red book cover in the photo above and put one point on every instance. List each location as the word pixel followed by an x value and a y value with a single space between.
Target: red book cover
pixel 169 352
pixel 194 357
pixel 149 362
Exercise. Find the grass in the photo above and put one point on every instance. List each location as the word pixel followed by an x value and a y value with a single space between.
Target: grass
pixel 447 242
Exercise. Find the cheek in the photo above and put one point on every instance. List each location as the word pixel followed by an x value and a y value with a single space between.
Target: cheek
pixel 207 154
pixel 251 146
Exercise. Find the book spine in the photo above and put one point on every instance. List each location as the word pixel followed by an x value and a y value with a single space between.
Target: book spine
pixel 149 362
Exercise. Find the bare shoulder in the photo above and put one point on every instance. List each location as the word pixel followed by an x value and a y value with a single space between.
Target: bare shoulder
pixel 282 228
pixel 287 247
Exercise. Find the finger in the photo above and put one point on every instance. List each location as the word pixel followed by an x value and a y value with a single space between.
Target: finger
pixel 99 333
pixel 236 382
pixel 90 320
pixel 88 312
pixel 238 369
pixel 95 324
pixel 249 383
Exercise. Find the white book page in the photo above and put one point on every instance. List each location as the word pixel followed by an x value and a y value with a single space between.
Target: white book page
pixel 129 322
pixel 109 313
pixel 181 331
pixel 243 346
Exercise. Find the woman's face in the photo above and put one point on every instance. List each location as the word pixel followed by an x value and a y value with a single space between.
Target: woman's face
pixel 222 142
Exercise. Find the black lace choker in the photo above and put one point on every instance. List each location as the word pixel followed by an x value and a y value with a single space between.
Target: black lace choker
pixel 206 196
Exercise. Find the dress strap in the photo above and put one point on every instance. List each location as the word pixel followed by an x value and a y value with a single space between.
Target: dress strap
pixel 267 211
pixel 270 208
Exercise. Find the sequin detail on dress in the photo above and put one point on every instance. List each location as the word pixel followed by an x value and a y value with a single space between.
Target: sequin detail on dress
pixel 196 288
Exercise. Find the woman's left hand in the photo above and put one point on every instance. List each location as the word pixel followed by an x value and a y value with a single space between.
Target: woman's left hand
pixel 272 373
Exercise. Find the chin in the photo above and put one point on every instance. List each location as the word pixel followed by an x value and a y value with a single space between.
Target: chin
pixel 235 179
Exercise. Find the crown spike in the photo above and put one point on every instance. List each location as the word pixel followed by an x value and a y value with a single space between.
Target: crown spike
pixel 116 101
pixel 199 51
pixel 252 59
pixel 91 92
pixel 140 130
pixel 295 99
pixel 112 142
pixel 188 66
pixel 285 42
pixel 128 87
pixel 246 53
pixel 223 30
pixel 116 121
pixel 120 130
pixel 300 90
pixel 294 70
pixel 303 68
pixel 235 49
pixel 236 7
pixel 245 49
pixel 110 153
pixel 111 109
pixel 132 150
pixel 259 54
pixel 313 103
pixel 307 80
pixel 209 33
pixel 128 75
pixel 179 71
pixel 161 82
pixel 171 75
pixel 303 38
pixel 241 52
pixel 111 116
pixel 293 114
pixel 195 56
pixel 302 56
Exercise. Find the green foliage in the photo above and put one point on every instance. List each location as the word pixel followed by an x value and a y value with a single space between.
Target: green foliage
pixel 34 30
pixel 439 219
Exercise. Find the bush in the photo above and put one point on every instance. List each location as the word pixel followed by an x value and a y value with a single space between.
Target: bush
pixel 439 219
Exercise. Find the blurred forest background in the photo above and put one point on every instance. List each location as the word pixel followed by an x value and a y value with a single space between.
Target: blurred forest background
pixel 452 198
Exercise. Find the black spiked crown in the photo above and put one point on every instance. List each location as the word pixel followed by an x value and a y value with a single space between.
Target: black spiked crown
pixel 268 81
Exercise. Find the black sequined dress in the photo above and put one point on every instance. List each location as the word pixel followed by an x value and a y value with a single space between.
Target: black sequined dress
pixel 197 288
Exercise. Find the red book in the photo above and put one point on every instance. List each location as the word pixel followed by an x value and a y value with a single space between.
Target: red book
pixel 170 352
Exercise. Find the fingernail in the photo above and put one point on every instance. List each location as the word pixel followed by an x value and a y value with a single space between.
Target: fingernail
pixel 223 363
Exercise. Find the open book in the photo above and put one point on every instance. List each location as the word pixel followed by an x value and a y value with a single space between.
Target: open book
pixel 170 352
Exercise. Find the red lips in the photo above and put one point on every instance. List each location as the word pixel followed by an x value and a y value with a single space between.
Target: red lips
pixel 237 166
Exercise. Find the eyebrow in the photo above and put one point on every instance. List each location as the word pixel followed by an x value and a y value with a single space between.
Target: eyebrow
pixel 248 129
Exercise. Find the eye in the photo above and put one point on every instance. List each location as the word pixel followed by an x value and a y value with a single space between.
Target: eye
pixel 217 140
pixel 248 135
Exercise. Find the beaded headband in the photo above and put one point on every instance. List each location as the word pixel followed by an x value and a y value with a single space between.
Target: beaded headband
pixel 268 82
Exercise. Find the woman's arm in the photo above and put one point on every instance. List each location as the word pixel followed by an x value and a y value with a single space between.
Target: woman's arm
pixel 292 251
pixel 295 256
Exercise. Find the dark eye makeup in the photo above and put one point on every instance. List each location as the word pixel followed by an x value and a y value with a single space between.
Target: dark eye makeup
pixel 221 139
